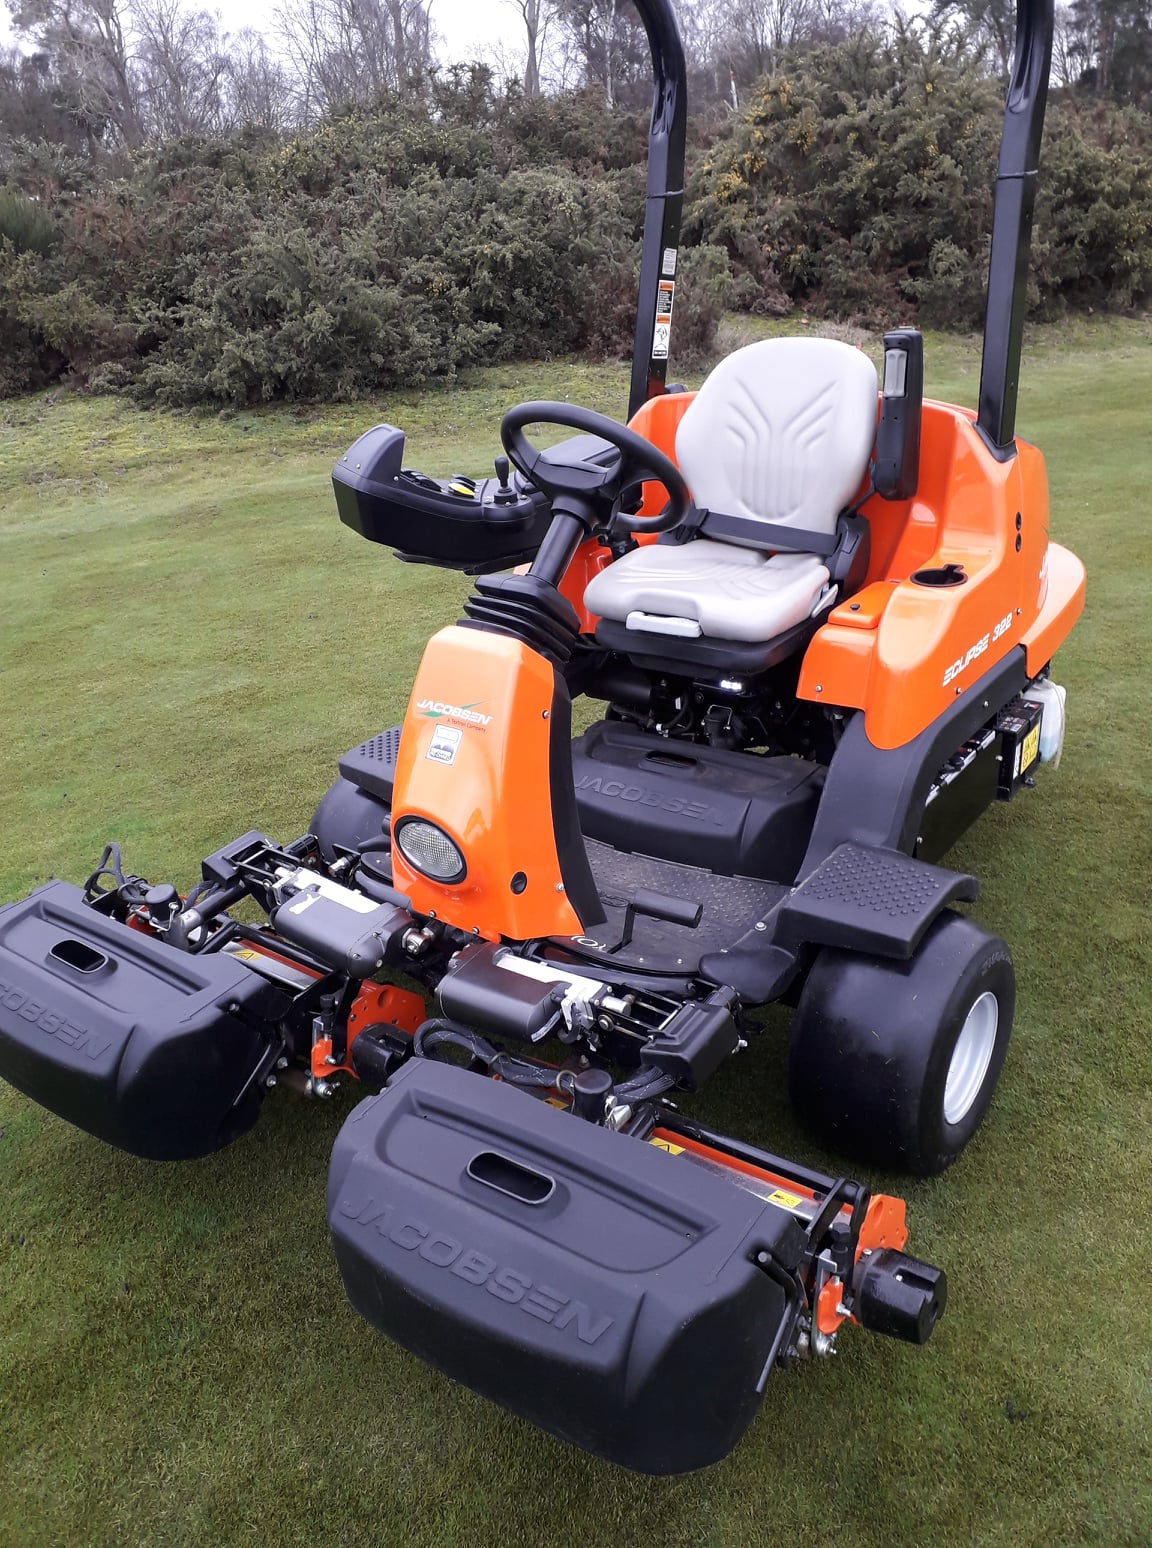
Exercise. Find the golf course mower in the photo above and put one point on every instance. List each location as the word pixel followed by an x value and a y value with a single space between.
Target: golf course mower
pixel 819 613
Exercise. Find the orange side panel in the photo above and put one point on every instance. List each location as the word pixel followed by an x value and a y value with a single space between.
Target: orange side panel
pixel 838 667
pixel 847 643
pixel 932 642
pixel 865 609
pixel 474 760
pixel 1063 604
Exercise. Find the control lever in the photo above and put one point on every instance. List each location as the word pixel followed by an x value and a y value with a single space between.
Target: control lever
pixel 505 494
pixel 657 905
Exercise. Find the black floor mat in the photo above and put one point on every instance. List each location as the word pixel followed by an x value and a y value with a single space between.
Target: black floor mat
pixel 732 905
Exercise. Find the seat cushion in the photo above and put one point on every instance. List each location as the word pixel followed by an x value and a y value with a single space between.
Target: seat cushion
pixel 727 593
pixel 781 432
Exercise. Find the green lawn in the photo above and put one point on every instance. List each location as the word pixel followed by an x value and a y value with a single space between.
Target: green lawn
pixel 188 639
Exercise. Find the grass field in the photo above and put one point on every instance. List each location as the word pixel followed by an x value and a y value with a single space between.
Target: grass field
pixel 188 639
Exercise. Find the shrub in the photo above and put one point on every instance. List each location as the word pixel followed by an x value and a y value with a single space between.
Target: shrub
pixel 858 183
pixel 379 250
pixel 392 245
pixel 854 179
pixel 25 224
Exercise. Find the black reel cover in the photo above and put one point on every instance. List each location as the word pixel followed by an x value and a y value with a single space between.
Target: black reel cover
pixel 583 1279
pixel 146 1047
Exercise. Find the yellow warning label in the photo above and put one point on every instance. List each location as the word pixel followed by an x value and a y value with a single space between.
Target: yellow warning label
pixel 663 1144
pixel 556 1102
pixel 246 954
pixel 1031 748
pixel 785 1200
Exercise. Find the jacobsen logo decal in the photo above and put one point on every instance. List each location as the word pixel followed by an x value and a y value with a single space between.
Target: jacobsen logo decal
pixel 433 709
pixel 974 651
pixel 51 1023
pixel 618 789
pixel 477 1268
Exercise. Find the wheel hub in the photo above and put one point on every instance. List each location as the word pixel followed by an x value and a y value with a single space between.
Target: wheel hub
pixel 971 1057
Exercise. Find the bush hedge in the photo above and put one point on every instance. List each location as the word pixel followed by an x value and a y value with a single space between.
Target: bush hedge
pixel 389 246
pixel 858 183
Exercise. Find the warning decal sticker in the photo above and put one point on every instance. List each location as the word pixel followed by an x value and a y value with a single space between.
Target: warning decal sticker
pixel 662 335
pixel 1031 748
pixel 784 1199
pixel 663 1144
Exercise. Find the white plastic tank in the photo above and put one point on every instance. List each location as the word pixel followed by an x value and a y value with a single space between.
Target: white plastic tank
pixel 1051 697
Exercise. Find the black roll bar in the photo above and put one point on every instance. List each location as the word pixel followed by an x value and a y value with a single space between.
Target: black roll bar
pixel 664 203
pixel 1013 204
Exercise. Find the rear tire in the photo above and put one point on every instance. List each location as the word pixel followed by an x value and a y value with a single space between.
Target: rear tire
pixel 896 1062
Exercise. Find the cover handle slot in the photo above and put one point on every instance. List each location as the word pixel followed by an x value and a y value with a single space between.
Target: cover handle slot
pixel 511 1178
pixel 79 956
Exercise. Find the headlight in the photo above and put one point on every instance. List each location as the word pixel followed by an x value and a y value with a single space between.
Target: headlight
pixel 429 850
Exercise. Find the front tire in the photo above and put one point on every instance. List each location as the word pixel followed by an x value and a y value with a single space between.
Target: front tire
pixel 350 818
pixel 897 1062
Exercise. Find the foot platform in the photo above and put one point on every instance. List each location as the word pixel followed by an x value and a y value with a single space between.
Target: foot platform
pixel 869 900
pixel 372 765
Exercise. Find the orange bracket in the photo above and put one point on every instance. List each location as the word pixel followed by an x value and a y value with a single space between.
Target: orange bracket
pixel 374 1004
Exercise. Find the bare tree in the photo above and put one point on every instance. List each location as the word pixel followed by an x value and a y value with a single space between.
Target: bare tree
pixel 342 51
pixel 608 42
pixel 256 88
pixel 758 31
pixel 737 41
pixel 179 66
pixel 991 24
pixel 703 30
pixel 86 41
pixel 505 60
pixel 537 16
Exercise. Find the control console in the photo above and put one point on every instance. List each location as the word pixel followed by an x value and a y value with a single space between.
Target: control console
pixel 460 523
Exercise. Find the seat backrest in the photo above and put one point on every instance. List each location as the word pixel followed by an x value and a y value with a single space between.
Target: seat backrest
pixel 781 432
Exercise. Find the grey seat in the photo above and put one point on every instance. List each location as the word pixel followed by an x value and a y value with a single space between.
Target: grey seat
pixel 778 439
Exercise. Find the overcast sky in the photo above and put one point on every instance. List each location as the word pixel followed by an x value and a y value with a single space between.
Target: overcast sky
pixel 467 27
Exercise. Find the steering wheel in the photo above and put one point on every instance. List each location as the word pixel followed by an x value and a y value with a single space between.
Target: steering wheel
pixel 591 485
